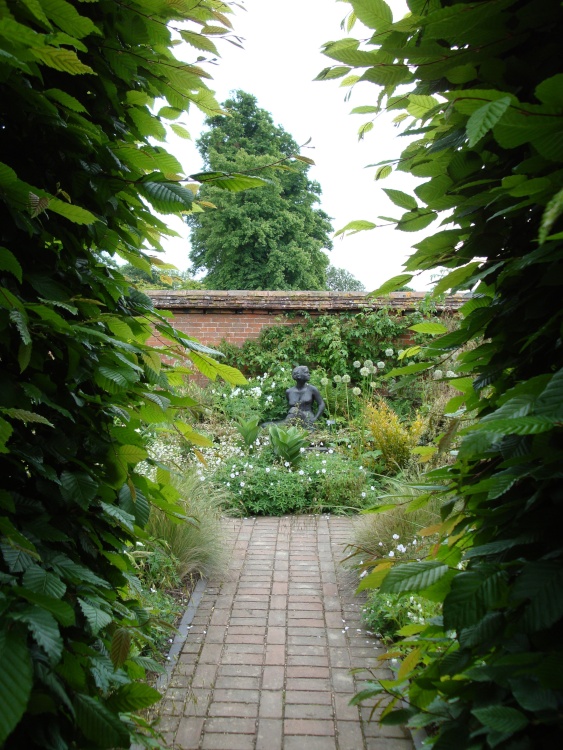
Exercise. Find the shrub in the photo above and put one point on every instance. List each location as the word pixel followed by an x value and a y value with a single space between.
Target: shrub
pixel 386 614
pixel 393 439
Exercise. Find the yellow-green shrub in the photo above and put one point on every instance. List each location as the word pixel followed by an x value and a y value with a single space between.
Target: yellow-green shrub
pixel 391 437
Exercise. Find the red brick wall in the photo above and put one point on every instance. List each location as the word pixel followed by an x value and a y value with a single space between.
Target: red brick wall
pixel 236 316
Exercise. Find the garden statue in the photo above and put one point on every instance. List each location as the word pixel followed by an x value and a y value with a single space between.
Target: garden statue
pixel 300 398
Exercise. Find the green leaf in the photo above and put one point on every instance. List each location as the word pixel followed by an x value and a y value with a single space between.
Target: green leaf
pixel 501 718
pixel 232 182
pixel 45 631
pixel 552 212
pixel 133 697
pixel 180 131
pixel 64 98
pixel 16 679
pixel 41 582
pixel 412 577
pixel 455 279
pixel 167 197
pixel 550 91
pixel 27 416
pixel 9 262
pixel 131 454
pixel 485 118
pixel 355 226
pixel 392 285
pixel 375 14
pixel 20 321
pixel 414 221
pixel 335 71
pixel 100 725
pixel 211 369
pixel 120 647
pixel 97 618
pixel 403 200
pixel 79 488
pixel 62 611
pixel 73 213
pixel 408 369
pixel 550 401
pixel 383 172
pixel 61 59
pixel 431 328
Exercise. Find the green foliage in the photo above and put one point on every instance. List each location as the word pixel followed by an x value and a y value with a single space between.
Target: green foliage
pixel 261 484
pixel 249 430
pixel 271 238
pixel 387 614
pixel 341 280
pixel 161 277
pixel 394 439
pixel 480 89
pixel 289 443
pixel 80 177
pixel 328 342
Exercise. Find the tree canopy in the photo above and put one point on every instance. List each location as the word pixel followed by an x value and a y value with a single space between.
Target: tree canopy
pixel 271 238
pixel 81 170
pixel 479 86
pixel 341 280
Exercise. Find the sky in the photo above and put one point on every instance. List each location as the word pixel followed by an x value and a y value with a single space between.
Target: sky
pixel 280 59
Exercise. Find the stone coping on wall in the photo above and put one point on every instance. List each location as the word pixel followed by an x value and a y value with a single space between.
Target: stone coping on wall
pixel 202 300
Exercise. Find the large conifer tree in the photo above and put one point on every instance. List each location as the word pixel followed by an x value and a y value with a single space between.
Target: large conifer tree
pixel 268 238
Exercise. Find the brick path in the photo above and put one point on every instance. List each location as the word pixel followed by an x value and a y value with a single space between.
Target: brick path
pixel 266 662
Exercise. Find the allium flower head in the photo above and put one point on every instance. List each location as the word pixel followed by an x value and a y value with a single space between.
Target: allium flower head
pixel 381 365
pixel 389 352
pixel 364 372
pixel 450 374
pixel 437 374
pixel 324 381
pixel 337 379
pixel 356 364
pixel 356 391
pixel 346 378
pixel 368 363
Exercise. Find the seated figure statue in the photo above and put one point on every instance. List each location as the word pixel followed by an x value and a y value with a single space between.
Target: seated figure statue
pixel 300 398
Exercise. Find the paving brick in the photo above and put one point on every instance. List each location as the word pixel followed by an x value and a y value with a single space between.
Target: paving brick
pixel 239 670
pixel 232 725
pixel 302 696
pixel 244 710
pixel 308 711
pixel 309 743
pixel 273 678
pixel 271 704
pixel 275 655
pixel 228 742
pixel 349 735
pixel 189 733
pixel 270 734
pixel 236 696
pixel 308 671
pixel 303 683
pixel 314 727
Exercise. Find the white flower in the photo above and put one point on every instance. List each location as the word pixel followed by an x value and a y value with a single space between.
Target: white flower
pixel 381 544
pixel 301 472
pixel 363 494
pixel 267 469
pixel 395 536
pixel 286 463
pixel 368 363
pixel 381 365
pixel 337 379
pixel 389 352
pixel 232 476
pixel 346 378
pixel 391 554
pixel 242 484
pixel 362 575
pixel 301 450
pixel 324 381
pixel 437 374
pixel 324 460
pixel 364 372
pixel 450 374
pixel 356 364
pixel 401 548
pixel 330 450
pixel 372 487
pixel 356 391
pixel 373 385
pixel 323 471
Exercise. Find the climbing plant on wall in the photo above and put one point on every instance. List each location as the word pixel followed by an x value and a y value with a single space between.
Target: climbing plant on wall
pixel 479 86
pixel 88 91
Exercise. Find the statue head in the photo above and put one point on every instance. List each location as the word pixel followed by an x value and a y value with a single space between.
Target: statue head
pixel 301 372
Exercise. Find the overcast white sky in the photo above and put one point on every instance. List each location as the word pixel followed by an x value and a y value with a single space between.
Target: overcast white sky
pixel 281 57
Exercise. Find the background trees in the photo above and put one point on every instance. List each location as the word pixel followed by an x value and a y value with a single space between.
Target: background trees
pixel 481 90
pixel 341 280
pixel 270 238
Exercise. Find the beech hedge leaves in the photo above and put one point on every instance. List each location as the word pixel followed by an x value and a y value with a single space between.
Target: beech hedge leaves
pixel 80 174
pixel 480 88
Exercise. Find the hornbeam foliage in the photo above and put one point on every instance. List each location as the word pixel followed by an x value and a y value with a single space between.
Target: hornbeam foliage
pixel 87 92
pixel 480 87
